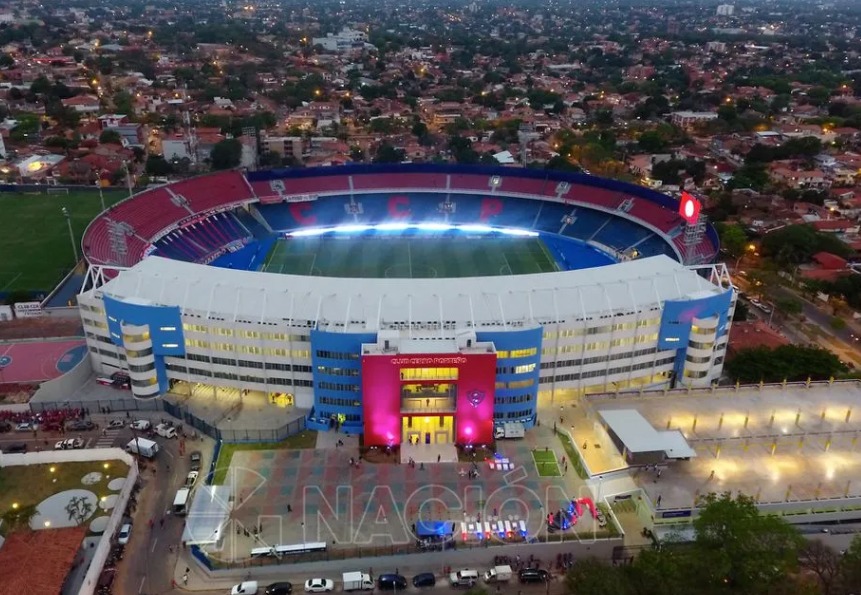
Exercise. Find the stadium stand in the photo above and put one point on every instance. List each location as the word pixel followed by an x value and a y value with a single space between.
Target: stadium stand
pixel 605 210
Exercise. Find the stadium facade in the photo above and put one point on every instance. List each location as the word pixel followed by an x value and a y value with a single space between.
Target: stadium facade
pixel 399 359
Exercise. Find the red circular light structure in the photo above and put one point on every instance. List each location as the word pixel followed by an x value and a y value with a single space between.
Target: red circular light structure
pixel 689 208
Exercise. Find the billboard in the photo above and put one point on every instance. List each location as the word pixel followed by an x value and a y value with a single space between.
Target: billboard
pixel 28 309
pixel 381 395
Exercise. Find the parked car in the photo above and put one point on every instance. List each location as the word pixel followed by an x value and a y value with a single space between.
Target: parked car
pixel 319 585
pixel 533 575
pixel 125 534
pixel 69 444
pixel 116 423
pixel 244 588
pixel 392 582
pixel 282 588
pixel 80 425
pixel 140 425
pixel 5 426
pixel 14 447
pixel 194 457
pixel 26 426
pixel 191 478
pixel 425 579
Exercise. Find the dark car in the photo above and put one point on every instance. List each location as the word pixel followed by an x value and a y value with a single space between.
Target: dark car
pixel 533 575
pixel 195 460
pixel 5 426
pixel 282 588
pixel 80 425
pixel 425 579
pixel 15 447
pixel 392 582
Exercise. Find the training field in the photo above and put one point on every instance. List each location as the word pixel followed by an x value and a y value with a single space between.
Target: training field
pixel 409 257
pixel 34 237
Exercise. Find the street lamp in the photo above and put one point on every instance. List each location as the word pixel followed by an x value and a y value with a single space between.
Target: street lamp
pixel 68 217
pixel 128 177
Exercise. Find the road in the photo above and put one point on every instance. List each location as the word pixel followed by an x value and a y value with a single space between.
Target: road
pixel 843 342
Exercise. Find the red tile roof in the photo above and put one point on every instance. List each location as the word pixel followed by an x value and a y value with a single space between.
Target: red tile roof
pixel 753 333
pixel 38 561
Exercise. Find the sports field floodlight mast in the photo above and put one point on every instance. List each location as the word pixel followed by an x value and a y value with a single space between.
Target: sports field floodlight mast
pixel 68 217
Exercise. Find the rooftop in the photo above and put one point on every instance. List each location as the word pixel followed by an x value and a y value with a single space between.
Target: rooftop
pixel 638 435
pixel 328 303
pixel 38 561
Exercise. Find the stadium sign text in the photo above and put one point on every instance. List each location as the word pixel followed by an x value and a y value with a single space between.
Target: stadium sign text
pixel 423 361
pixel 28 309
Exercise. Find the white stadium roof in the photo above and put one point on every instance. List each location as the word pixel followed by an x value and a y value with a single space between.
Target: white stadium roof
pixel 368 305
pixel 638 435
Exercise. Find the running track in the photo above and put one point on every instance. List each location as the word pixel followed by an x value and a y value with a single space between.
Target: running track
pixel 37 361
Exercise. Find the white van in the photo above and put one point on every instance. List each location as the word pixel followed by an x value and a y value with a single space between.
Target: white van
pixel 245 588
pixel 180 502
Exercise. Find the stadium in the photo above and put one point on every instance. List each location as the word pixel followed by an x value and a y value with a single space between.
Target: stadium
pixel 414 304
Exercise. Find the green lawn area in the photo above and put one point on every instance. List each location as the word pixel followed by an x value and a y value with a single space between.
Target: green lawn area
pixel 34 237
pixel 409 257
pixel 306 439
pixel 573 455
pixel 28 485
pixel 545 462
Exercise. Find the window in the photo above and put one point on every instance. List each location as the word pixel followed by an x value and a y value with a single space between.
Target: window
pixel 429 373
pixel 524 369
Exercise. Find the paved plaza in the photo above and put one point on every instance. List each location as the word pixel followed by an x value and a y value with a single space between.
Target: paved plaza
pixel 777 444
pixel 297 496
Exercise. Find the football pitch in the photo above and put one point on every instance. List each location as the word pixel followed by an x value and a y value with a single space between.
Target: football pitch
pixel 34 237
pixel 409 257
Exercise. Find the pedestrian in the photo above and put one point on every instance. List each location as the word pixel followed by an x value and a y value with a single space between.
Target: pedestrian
pixel 161 522
pixel 438 458
pixel 554 427
pixel 289 508
pixel 712 476
pixel 658 501
pixel 185 579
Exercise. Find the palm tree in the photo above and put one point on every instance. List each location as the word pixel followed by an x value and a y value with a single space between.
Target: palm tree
pixel 18 517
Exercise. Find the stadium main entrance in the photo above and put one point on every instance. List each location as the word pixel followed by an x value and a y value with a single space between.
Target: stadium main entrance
pixel 418 400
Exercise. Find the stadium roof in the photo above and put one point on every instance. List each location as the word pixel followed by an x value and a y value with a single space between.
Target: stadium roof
pixel 638 435
pixel 368 305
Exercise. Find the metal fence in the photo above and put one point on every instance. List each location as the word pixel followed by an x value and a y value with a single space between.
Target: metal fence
pixel 180 412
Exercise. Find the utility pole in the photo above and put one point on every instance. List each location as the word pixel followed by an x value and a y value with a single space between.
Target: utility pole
pixel 68 217
pixel 129 177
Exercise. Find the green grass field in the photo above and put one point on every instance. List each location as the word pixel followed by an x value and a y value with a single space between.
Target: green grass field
pixel 34 237
pixel 545 462
pixel 409 257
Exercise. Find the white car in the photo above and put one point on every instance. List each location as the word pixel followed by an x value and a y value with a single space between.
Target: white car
pixel 140 425
pixel 69 444
pixel 27 426
pixel 191 478
pixel 116 423
pixel 245 588
pixel 125 534
pixel 319 585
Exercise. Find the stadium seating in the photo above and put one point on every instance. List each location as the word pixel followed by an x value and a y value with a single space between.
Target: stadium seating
pixel 477 197
pixel 197 241
pixel 205 193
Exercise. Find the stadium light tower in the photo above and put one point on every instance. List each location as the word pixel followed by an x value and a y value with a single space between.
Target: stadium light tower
pixel 68 217
pixel 101 194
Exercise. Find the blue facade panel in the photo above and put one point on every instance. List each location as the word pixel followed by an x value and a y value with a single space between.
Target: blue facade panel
pixel 518 366
pixel 337 370
pixel 165 329
pixel 677 319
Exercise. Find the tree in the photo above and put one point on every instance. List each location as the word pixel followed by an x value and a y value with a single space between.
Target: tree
pixel 386 153
pixel 850 567
pixel 652 141
pixel 110 137
pixel 739 548
pixel 789 306
pixel 158 166
pixel 821 560
pixel 742 311
pixel 18 518
pixel 124 103
pixel 79 509
pixel 6 61
pixel 226 154
pixel 733 239
pixel 794 363
pixel 795 244
pixel 589 576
